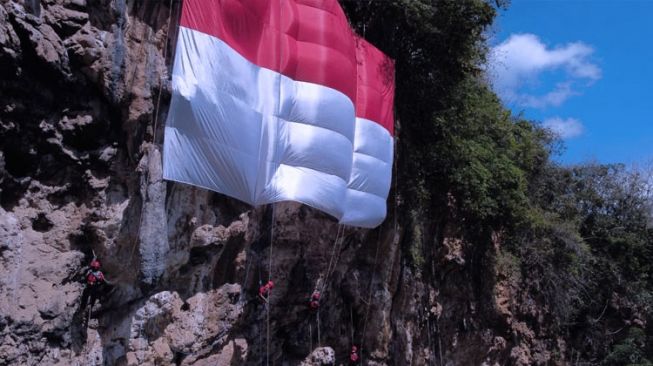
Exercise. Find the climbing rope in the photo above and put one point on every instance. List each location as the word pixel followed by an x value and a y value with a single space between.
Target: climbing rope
pixel 319 340
pixel 165 55
pixel 395 177
pixel 332 263
pixel 351 323
pixel 428 336
pixel 369 297
pixel 333 251
pixel 249 266
pixel 376 257
pixel 280 45
pixel 260 333
pixel 155 114
pixel 268 305
pixel 271 243
pixel 437 328
pixel 320 288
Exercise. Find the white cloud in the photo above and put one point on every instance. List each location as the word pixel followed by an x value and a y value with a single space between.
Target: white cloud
pixel 565 128
pixel 519 62
pixel 554 98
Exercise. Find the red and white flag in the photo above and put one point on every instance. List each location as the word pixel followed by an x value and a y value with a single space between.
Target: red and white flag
pixel 278 100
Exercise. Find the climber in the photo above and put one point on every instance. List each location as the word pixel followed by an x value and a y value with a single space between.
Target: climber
pixel 96 283
pixel 314 303
pixel 353 357
pixel 264 291
pixel 94 277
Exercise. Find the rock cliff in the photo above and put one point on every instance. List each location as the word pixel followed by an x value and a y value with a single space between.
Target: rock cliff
pixel 84 89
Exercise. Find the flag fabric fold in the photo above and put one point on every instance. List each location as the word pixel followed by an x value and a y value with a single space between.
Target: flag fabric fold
pixel 279 100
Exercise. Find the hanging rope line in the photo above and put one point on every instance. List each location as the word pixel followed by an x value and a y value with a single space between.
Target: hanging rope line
pixel 320 287
pixel 155 113
pixel 338 252
pixel 268 305
pixel 260 341
pixel 260 332
pixel 319 340
pixel 395 177
pixel 278 113
pixel 136 239
pixel 249 260
pixel 351 324
pixel 131 87
pixel 165 55
pixel 369 297
pixel 271 243
pixel 333 249
pixel 428 336
pixel 437 328
pixel 376 257
pixel 332 263
pixel 339 243
pixel 252 256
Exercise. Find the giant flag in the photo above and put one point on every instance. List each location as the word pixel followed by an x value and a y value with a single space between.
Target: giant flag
pixel 277 100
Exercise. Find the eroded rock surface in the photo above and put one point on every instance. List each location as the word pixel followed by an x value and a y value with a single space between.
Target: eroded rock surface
pixel 80 172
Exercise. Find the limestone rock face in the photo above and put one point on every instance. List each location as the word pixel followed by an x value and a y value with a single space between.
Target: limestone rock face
pixel 323 356
pixel 81 173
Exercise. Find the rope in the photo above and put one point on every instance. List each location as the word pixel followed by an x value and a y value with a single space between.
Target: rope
pixel 271 243
pixel 280 45
pixel 351 324
pixel 131 87
pixel 369 298
pixel 260 341
pixel 338 250
pixel 156 112
pixel 267 307
pixel 138 233
pixel 249 266
pixel 428 336
pixel 140 52
pixel 396 180
pixel 260 283
pixel 319 340
pixel 437 327
pixel 332 264
pixel 165 55
pixel 260 277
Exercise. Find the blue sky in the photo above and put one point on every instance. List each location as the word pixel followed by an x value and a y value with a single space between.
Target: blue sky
pixel 582 68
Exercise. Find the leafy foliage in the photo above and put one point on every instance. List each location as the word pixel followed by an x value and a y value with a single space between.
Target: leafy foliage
pixel 629 351
pixel 455 136
pixel 580 235
pixel 590 246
